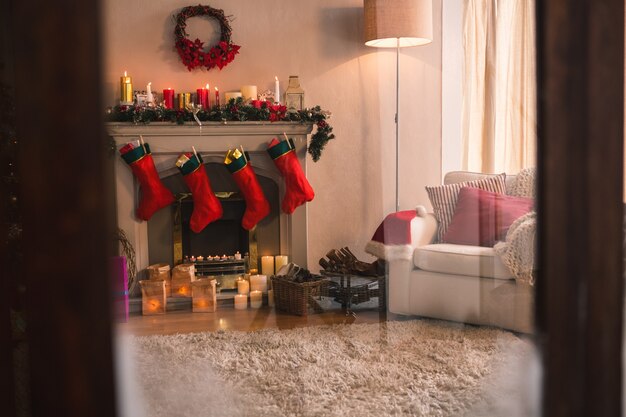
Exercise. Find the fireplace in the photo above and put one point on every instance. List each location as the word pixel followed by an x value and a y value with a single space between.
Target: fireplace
pixel 155 241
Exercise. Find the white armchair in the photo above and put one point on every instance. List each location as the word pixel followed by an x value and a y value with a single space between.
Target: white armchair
pixel 467 284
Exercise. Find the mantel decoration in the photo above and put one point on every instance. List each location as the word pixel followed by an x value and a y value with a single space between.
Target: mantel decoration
pixel 236 110
pixel 192 53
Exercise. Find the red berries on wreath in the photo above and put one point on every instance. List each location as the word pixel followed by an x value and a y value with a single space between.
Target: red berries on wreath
pixel 192 53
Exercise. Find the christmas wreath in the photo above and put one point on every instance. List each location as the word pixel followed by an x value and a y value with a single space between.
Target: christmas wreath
pixel 192 53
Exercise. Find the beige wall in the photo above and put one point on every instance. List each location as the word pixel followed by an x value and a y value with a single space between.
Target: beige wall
pixel 321 42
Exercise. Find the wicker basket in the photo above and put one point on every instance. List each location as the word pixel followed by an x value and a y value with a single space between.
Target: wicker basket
pixel 298 298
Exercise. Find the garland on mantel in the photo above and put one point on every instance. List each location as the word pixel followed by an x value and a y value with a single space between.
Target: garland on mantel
pixel 235 111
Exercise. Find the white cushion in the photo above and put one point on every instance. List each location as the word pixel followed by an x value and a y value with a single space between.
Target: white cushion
pixel 461 260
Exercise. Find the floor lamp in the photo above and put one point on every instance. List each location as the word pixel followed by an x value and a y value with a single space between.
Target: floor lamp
pixel 398 24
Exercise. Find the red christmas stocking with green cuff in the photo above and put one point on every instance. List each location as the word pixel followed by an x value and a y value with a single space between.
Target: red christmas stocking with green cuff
pixel 206 207
pixel 154 195
pixel 299 191
pixel 257 206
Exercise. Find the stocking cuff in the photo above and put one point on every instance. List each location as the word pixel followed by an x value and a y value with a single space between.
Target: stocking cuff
pixel 281 149
pixel 136 154
pixel 191 165
pixel 238 160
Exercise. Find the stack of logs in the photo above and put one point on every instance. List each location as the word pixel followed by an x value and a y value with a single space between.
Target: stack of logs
pixel 343 261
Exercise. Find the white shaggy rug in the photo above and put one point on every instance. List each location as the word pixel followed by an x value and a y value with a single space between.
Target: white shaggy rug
pixel 415 368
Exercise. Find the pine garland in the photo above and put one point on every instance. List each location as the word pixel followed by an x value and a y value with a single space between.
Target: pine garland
pixel 235 111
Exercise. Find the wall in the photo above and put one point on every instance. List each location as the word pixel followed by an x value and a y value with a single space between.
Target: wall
pixel 321 41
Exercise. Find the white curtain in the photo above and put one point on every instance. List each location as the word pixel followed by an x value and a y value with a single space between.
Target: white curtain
pixel 499 90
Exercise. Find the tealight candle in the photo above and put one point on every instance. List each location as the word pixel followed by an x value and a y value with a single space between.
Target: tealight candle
pixel 126 89
pixel 267 265
pixel 258 283
pixel 279 261
pixel 237 256
pixel 243 286
pixel 153 300
pixel 256 299
pixel 168 98
pixel 241 302
pixel 204 296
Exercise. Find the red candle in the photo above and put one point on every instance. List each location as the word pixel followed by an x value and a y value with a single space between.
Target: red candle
pixel 168 98
pixel 203 97
pixel 217 97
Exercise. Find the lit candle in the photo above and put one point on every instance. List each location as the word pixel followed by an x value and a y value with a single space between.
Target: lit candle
pixel 126 89
pixel 276 91
pixel 203 96
pixel 241 302
pixel 249 92
pixel 237 256
pixel 217 97
pixel 258 283
pixel 153 299
pixel 150 98
pixel 256 299
pixel 267 265
pixel 168 98
pixel 270 298
pixel 243 286
pixel 204 296
pixel 280 260
pixel 231 95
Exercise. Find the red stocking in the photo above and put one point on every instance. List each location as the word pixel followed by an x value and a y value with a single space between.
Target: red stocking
pixel 257 206
pixel 299 190
pixel 206 207
pixel 154 195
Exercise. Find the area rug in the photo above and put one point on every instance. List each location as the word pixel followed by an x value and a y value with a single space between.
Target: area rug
pixel 415 368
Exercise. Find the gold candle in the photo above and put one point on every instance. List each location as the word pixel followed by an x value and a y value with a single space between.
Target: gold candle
pixel 126 89
pixel 183 100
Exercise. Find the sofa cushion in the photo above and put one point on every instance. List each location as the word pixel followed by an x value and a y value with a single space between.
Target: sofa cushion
pixel 461 260
pixel 482 218
pixel 444 198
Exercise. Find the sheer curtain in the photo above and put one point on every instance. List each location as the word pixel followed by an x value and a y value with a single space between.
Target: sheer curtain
pixel 499 90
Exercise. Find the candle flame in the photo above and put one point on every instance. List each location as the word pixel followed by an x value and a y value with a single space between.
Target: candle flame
pixel 216 89
pixel 207 86
pixel 125 75
pixel 149 84
pixel 276 78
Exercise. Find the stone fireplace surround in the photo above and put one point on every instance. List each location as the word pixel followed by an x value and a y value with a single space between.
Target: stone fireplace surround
pixel 212 140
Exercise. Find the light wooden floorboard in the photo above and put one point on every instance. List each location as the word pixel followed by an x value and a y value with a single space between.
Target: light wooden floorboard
pixel 249 320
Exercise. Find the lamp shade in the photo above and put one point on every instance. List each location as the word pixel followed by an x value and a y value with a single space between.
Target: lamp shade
pixel 387 21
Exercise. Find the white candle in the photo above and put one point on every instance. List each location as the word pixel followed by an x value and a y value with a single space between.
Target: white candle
pixel 258 283
pixel 276 90
pixel 237 256
pixel 267 265
pixel 241 302
pixel 249 92
pixel 270 298
pixel 243 286
pixel 150 98
pixel 256 299
pixel 231 94
pixel 280 260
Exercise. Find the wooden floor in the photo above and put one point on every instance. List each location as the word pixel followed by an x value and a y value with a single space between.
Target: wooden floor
pixel 228 318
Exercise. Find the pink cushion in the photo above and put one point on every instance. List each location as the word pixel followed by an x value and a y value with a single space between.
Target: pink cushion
pixel 482 218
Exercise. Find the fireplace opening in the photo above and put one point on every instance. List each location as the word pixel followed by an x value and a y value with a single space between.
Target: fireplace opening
pixel 170 238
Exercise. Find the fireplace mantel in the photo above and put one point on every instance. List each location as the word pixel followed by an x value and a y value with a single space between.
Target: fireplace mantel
pixel 211 140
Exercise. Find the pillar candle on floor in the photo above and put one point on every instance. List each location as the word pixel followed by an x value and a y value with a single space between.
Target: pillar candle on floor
pixel 279 261
pixel 256 299
pixel 267 265
pixel 241 302
pixel 258 283
pixel 243 286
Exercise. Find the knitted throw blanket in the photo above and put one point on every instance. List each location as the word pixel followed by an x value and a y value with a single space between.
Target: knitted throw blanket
pixel 518 250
